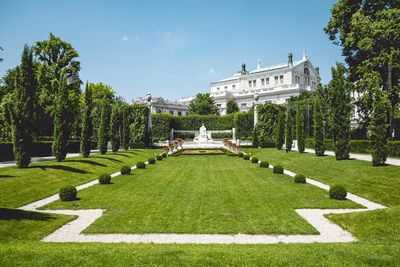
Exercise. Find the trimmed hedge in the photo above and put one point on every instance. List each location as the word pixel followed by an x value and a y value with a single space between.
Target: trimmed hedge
pixel 162 124
pixel 159 157
pixel 68 193
pixel 338 192
pixel 221 135
pixel 278 169
pixel 246 157
pixel 164 154
pixel 244 124
pixel 299 179
pixel 211 122
pixel 360 146
pixel 125 170
pixel 240 154
pixel 141 165
pixel 105 179
pixel 152 160
pixel 254 160
pixel 264 164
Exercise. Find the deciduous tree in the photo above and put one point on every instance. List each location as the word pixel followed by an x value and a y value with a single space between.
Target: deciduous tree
pixel 203 104
pixel 231 106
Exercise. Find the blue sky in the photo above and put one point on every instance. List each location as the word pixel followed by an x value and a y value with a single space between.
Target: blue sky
pixel 170 48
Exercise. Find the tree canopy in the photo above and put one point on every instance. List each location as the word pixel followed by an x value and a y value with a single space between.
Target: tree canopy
pixel 231 106
pixel 203 104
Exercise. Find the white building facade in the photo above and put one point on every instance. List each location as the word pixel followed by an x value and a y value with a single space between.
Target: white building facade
pixel 274 84
pixel 161 105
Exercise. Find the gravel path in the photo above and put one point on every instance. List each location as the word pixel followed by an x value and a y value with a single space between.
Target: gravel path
pixel 328 231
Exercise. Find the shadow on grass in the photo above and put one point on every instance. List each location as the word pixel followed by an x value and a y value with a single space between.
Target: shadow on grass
pixel 60 167
pixel 119 154
pixel 110 159
pixel 6 176
pixel 131 152
pixel 14 214
pixel 91 162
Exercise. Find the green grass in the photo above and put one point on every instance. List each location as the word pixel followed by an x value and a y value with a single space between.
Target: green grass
pixel 23 186
pixel 202 194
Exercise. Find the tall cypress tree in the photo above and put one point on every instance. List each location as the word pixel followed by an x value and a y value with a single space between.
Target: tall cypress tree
pixel 280 131
pixel 87 127
pixel 340 109
pixel 288 130
pixel 22 109
pixel 379 127
pixel 125 127
pixel 62 118
pixel 115 127
pixel 300 129
pixel 102 133
pixel 319 145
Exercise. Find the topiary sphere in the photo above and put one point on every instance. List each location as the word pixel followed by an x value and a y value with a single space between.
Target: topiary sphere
pixel 125 170
pixel 254 160
pixel 299 179
pixel 240 154
pixel 278 169
pixel 338 192
pixel 264 164
pixel 141 165
pixel 164 155
pixel 104 179
pixel 152 160
pixel 68 193
pixel 159 157
pixel 246 157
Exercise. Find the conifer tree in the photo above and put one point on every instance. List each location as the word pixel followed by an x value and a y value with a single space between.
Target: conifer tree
pixel 125 127
pixel 102 133
pixel 22 109
pixel 280 131
pixel 340 109
pixel 87 127
pixel 300 129
pixel 288 130
pixel 378 127
pixel 319 145
pixel 62 116
pixel 115 126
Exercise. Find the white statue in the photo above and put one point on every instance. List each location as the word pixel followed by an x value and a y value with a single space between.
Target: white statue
pixel 203 135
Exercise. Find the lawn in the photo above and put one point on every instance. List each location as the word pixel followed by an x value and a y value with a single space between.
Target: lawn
pixel 202 194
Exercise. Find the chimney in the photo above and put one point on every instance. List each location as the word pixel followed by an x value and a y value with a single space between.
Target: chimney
pixel 290 60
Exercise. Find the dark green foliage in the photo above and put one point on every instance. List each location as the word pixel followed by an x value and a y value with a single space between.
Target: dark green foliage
pixel 62 121
pixel 141 165
pixel 338 192
pixel 115 128
pixel 319 145
pixel 87 127
pixel 105 179
pixel 164 154
pixel 288 130
pixel 211 122
pixel 254 160
pixel 378 128
pixel 139 135
pixel 246 157
pixel 102 130
pixel 159 157
pixel 278 169
pixel 299 179
pixel 22 109
pixel 240 154
pixel 203 104
pixel 125 170
pixel 152 160
pixel 221 135
pixel 231 106
pixel 340 110
pixel 300 129
pixel 265 129
pixel 68 193
pixel 280 130
pixel 125 127
pixel 264 164
pixel 244 124
pixel 162 124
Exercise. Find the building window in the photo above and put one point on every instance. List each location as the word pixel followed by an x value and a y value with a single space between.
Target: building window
pixel 179 113
pixel 226 87
pixel 219 105
pixel 276 79
pixel 243 105
pixel 171 112
pixel 249 83
pixel 306 71
pixel 281 79
pixel 233 87
pixel 262 81
pixel 254 83
pixel 267 81
pixel 217 88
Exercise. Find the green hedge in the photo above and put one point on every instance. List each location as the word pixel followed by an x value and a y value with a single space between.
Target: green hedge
pixel 161 126
pixel 211 122
pixel 39 149
pixel 244 124
pixel 221 135
pixel 138 127
pixel 360 146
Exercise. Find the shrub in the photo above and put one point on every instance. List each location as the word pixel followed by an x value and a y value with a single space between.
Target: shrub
pixel 104 179
pixel 277 169
pixel 164 154
pixel 141 165
pixel 159 157
pixel 300 179
pixel 254 160
pixel 241 154
pixel 243 138
pixel 152 160
pixel 125 170
pixel 246 157
pixel 264 164
pixel 338 192
pixel 68 193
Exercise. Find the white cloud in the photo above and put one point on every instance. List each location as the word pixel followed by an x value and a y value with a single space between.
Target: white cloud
pixel 124 38
pixel 211 71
